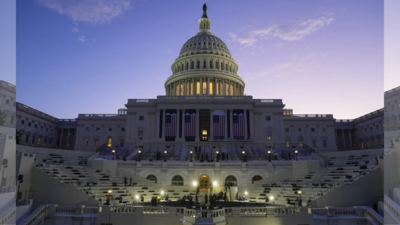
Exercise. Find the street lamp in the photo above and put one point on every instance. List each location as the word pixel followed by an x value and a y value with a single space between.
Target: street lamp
pixel 243 152
pixel 299 192
pixel 191 154
pixel 295 152
pixel 140 152
pixel 269 156
pixel 165 152
pixel 113 153
pixel 109 196
pixel 217 156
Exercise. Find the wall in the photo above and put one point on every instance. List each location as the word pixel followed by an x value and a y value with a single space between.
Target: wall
pixel 69 153
pixel 366 191
pixel 48 190
pixel 304 167
pixel 7 151
pixel 26 164
pixel 106 166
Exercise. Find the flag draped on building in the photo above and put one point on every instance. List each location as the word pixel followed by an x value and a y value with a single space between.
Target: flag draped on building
pixel 170 125
pixel 190 125
pixel 219 125
pixel 238 125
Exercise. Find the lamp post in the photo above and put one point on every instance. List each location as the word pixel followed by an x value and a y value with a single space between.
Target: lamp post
pixel 113 153
pixel 299 192
pixel 140 152
pixel 269 156
pixel 165 153
pixel 217 156
pixel 243 152
pixel 191 154
pixel 295 152
pixel 109 196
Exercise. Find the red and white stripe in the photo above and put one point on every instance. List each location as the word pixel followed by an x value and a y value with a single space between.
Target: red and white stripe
pixel 170 128
pixel 238 128
pixel 219 128
pixel 190 128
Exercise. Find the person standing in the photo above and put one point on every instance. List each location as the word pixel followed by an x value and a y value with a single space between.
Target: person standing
pixel 276 156
pixel 290 156
pixel 125 181
pixel 206 198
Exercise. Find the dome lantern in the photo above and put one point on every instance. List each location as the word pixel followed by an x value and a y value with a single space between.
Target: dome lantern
pixel 204 22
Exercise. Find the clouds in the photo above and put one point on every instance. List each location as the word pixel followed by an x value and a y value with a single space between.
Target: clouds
pixel 286 32
pixel 74 29
pixel 82 38
pixel 89 11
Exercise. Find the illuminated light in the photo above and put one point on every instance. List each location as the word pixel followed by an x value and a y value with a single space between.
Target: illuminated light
pixel 162 192
pixel 271 198
pixel 245 193
pixel 109 191
pixel 194 183
pixel 215 183
pixel 137 196
pixel 269 152
pixel 113 151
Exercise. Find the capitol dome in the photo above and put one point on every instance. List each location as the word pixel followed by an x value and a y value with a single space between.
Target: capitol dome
pixel 204 67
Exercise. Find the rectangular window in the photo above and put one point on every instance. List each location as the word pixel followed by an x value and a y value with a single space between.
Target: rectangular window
pixel 218 88
pixel 97 129
pixel 367 144
pixel 33 139
pixel 191 88
pixel 35 125
pixel 395 122
pixel 141 117
pixel 373 142
pixel 312 129
pixel 211 88
pixel 314 143
pixel 7 102
pixel 140 135
pixel 197 88
pixel 286 129
pixel 122 128
pixel 22 121
pixel 323 129
pixel 362 144
pixel 324 143
pixel 27 138
pixel 39 139
pixel 87 128
pixel 121 143
pixel 388 123
pixel 268 118
pixel 287 144
pixel 380 141
pixel 96 142
pixel 181 89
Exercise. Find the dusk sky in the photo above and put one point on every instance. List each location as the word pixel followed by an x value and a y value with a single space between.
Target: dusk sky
pixel 320 57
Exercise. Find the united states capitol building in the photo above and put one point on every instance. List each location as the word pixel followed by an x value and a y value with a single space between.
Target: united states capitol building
pixel 202 138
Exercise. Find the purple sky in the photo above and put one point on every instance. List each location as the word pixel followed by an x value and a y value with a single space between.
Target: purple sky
pixel 91 56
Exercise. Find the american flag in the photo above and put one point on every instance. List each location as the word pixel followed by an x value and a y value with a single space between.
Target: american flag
pixel 238 125
pixel 219 125
pixel 190 125
pixel 170 125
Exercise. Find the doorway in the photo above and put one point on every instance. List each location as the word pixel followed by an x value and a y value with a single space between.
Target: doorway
pixel 204 124
pixel 204 183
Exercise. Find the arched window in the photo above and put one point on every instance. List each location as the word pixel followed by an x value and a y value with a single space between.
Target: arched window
pixel 256 178
pixel 222 66
pixel 187 66
pixel 226 67
pixel 230 68
pixel 109 142
pixel 217 65
pixel 211 64
pixel 152 178
pixel 204 64
pixel 177 181
pixel 198 65
pixel 231 181
pixel 86 142
pixel 192 65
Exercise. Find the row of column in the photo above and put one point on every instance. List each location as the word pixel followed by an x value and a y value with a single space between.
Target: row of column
pixel 198 132
pixel 69 131
pixel 342 133
pixel 204 86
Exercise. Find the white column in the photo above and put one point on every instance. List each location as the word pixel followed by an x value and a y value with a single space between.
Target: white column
pixel 215 86
pixel 226 124
pixel 351 141
pixel 223 87
pixel 201 86
pixel 245 124
pixel 183 124
pixel 61 137
pixel 179 88
pixel 197 125
pixel 336 138
pixel 163 126
pixel 186 87
pixel 158 124
pixel 208 86
pixel 230 124
pixel 211 126
pixel 252 124
pixel 194 87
